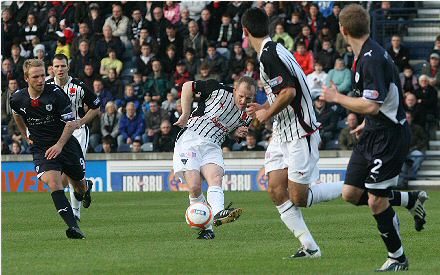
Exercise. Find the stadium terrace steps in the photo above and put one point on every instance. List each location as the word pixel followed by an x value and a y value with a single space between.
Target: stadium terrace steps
pixel 434 144
pixel 415 184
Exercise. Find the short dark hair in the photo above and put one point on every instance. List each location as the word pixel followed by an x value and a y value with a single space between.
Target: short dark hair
pixel 60 56
pixel 355 20
pixel 256 22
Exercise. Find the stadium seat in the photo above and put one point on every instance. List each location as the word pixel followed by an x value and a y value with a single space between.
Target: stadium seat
pixel 124 148
pixel 147 147
pixel 263 143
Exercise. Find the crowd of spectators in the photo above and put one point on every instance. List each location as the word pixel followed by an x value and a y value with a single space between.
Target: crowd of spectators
pixel 135 56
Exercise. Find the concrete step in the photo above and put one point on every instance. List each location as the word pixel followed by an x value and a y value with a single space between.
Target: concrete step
pixel 423 183
pixel 434 144
pixel 430 165
pixel 437 135
pixel 431 4
pixel 427 15
pixel 425 30
pixel 419 38
pixel 429 173
pixel 432 11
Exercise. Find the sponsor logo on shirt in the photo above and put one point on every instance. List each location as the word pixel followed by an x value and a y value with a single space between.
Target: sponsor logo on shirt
pixel 275 81
pixel 96 102
pixel 370 94
pixel 219 124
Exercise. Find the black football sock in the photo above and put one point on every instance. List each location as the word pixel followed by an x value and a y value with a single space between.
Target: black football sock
pixel 63 207
pixel 405 199
pixel 388 225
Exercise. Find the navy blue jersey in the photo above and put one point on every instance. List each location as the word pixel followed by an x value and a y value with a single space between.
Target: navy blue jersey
pixel 45 116
pixel 376 78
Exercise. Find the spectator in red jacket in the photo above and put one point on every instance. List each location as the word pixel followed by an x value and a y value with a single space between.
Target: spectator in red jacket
pixel 304 58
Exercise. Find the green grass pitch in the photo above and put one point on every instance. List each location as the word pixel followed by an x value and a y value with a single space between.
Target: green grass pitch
pixel 146 233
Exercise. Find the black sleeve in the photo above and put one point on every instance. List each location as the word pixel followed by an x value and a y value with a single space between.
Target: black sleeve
pixel 90 98
pixel 13 102
pixel 373 79
pixel 205 88
pixel 63 106
pixel 276 69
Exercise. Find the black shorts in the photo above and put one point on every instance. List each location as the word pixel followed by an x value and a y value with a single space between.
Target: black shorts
pixel 377 159
pixel 70 161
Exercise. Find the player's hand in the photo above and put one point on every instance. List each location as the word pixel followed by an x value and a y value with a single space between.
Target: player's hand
pixel 129 141
pixel 53 151
pixel 241 132
pixel 358 131
pixel 329 94
pixel 252 108
pixel 262 115
pixel 182 121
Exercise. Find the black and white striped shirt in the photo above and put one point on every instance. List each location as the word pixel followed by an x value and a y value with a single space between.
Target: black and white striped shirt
pixel 78 94
pixel 216 115
pixel 279 70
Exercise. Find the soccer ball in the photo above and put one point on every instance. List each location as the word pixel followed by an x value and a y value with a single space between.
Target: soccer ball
pixel 199 216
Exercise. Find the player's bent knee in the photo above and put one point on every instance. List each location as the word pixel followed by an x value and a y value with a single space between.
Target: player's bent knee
pixel 350 197
pixel 298 199
pixel 278 194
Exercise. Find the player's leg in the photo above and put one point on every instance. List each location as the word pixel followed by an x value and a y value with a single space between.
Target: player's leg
pixel 53 179
pixel 213 174
pixel 82 135
pixel 303 156
pixel 389 228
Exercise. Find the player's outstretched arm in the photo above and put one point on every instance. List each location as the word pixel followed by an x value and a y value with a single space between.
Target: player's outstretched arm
pixel 91 113
pixel 56 149
pixel 186 100
pixel 22 127
pixel 358 105
pixel 283 99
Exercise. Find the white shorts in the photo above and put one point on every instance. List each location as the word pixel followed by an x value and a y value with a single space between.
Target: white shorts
pixel 299 156
pixel 82 135
pixel 193 151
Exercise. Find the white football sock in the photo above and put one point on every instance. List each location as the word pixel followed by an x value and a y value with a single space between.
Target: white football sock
pixel 293 219
pixel 200 198
pixel 324 192
pixel 216 199
pixel 76 204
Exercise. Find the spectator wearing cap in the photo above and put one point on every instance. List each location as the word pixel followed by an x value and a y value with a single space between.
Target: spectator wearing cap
pixel 114 84
pixel 237 63
pixel 165 139
pixel 341 76
pixel 95 20
pixel 304 57
pixel 153 119
pixel 157 83
pixel 398 52
pixel 316 80
pixel 131 126
pixel 118 23
pixel 408 80
pixel 103 94
pixel 39 52
pixel 83 57
pixel 195 40
pixel 208 26
pixel 180 76
pixel 192 63
pixel 327 55
pixel 216 62
pixel 106 42
pixel 171 11
pixel 9 32
pixel 281 34
pixel 432 70
pixel 171 38
pixel 347 140
pixel 110 62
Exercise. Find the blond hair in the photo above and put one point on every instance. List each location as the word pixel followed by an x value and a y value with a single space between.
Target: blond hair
pixel 355 20
pixel 29 63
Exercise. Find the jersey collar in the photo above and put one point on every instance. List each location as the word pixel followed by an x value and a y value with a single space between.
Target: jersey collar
pixel 68 81
pixel 263 43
